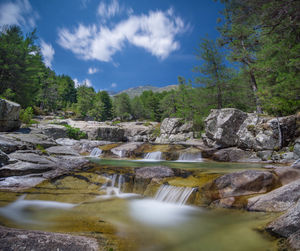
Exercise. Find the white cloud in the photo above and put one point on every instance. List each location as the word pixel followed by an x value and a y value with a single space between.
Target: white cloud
pixel 154 32
pixel 18 12
pixel 47 52
pixel 92 70
pixel 113 85
pixel 85 82
pixel 107 11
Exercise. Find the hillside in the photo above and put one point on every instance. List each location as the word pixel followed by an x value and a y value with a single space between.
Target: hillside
pixel 136 91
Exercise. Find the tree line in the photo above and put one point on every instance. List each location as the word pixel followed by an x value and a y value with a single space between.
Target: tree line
pixel 253 66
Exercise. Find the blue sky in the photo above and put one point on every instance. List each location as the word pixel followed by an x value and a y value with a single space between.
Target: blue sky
pixel 113 44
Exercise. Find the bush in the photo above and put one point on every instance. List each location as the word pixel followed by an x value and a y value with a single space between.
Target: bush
pixel 26 115
pixel 75 133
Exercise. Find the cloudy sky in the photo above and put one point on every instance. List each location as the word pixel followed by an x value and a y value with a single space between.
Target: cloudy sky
pixel 116 44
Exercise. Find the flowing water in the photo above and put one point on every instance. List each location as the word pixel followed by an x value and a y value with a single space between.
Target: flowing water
pixel 107 203
pixel 153 156
pixel 190 157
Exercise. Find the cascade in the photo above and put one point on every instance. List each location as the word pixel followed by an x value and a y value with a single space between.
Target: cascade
pixel 153 156
pixel 112 190
pixel 173 194
pixel 96 152
pixel 190 157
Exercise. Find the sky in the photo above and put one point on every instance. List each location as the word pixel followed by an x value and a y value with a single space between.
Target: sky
pixel 117 44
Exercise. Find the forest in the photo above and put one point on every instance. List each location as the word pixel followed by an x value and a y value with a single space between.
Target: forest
pixel 253 66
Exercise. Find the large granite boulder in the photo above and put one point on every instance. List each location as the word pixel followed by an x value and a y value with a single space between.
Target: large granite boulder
pixel 174 130
pixel 277 200
pixel 9 115
pixel 17 239
pixel 127 149
pixel 54 131
pixel 234 154
pixel 287 224
pixel 221 127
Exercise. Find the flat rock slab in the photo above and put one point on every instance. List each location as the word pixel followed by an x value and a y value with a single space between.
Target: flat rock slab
pixel 32 157
pixel 154 172
pixel 277 200
pixel 20 182
pixel 287 224
pixel 62 150
pixel 15 240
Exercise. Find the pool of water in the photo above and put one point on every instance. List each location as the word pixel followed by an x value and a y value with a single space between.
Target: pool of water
pixel 78 204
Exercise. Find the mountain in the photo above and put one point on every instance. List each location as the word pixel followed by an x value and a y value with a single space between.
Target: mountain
pixel 136 91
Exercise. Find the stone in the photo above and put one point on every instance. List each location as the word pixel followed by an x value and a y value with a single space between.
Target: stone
pixel 288 223
pixel 19 239
pixel 296 164
pixel 242 183
pixel 126 150
pixel 54 131
pixel 150 172
pixel 297 149
pixel 62 150
pixel 287 174
pixel 233 154
pixel 277 200
pixel 170 125
pixel 294 240
pixel 4 159
pixel 111 133
pixel 35 157
pixel 265 155
pixel 222 125
pixel 7 145
pixel 9 116
pixel 21 182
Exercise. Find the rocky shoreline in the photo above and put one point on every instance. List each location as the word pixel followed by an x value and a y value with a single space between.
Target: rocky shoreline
pixel 31 155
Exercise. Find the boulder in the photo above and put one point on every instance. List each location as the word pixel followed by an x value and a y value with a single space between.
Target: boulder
pixel 8 146
pixel 111 133
pixel 221 127
pixel 21 182
pixel 174 130
pixel 234 154
pixel 54 131
pixel 138 131
pixel 286 224
pixel 150 172
pixel 17 239
pixel 277 200
pixel 62 150
pixel 242 183
pixel 126 150
pixel 296 164
pixel 297 149
pixel 9 116
pixel 287 174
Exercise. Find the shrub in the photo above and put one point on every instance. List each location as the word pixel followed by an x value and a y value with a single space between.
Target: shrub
pixel 116 122
pixel 26 115
pixel 75 133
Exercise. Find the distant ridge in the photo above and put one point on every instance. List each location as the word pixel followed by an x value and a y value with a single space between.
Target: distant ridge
pixel 136 91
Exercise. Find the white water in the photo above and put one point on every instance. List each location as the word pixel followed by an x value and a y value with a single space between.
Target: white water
pixel 153 156
pixel 190 157
pixel 173 194
pixel 120 153
pixel 18 210
pixel 96 152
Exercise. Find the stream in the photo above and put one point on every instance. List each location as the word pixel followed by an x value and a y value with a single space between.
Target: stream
pixel 107 202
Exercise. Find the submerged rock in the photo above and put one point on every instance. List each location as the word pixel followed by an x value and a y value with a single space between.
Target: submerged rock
pixel 154 172
pixel 277 200
pixel 9 116
pixel 16 239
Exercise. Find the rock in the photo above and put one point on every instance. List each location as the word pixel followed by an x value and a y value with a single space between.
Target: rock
pixel 35 157
pixel 221 127
pixel 277 200
pixel 20 182
pixel 154 172
pixel 296 164
pixel 62 150
pixel 137 131
pixel 297 149
pixel 3 158
pixel 67 142
pixel 174 130
pixel 17 239
pixel 233 154
pixel 242 183
pixel 287 174
pixel 265 155
pixel 126 150
pixel 287 224
pixel 54 131
pixel 7 145
pixel 294 240
pixel 111 133
pixel 9 116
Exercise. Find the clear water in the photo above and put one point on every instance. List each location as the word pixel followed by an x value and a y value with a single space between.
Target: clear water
pixel 136 223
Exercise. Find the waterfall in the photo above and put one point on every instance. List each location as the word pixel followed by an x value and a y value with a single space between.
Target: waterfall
pixel 154 156
pixel 190 157
pixel 96 152
pixel 120 153
pixel 173 194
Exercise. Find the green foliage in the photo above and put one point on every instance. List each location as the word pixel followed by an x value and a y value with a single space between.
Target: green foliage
pixel 156 131
pixel 75 133
pixel 26 115
pixel 116 122
pixel 41 148
pixel 122 106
